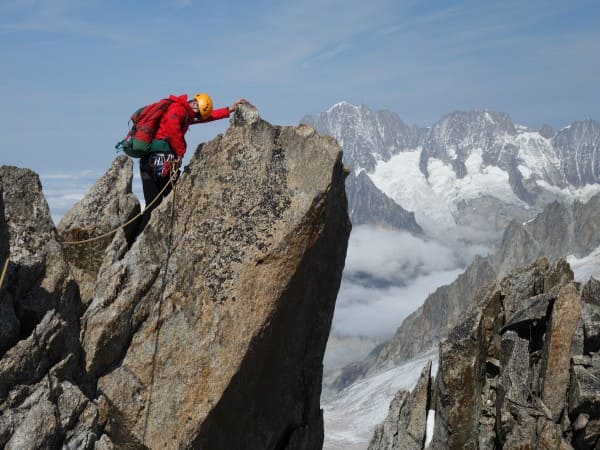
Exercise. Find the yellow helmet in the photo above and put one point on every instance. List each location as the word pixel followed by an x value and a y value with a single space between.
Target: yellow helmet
pixel 205 105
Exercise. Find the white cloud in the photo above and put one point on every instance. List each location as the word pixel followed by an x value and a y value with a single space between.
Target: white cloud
pixel 395 255
pixel 388 275
pixel 377 313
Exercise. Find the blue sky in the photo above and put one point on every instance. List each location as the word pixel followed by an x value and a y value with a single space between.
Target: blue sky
pixel 73 71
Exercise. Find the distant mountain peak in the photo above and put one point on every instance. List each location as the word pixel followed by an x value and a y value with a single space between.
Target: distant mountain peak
pixel 478 120
pixel 341 104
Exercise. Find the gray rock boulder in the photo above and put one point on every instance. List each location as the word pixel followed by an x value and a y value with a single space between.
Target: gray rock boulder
pixel 38 282
pixel 42 400
pixel 9 324
pixel 406 424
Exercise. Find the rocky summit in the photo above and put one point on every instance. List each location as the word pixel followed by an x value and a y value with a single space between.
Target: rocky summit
pixel 205 331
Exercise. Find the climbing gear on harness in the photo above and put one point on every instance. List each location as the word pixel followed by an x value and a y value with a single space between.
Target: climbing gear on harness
pixel 160 164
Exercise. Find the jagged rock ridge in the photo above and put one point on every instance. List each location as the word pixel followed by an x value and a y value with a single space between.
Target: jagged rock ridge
pixel 569 156
pixel 209 330
pixel 520 371
pixel 365 135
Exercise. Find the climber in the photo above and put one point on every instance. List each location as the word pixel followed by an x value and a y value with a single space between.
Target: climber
pixel 169 146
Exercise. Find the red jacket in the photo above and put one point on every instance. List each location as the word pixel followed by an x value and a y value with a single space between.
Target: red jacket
pixel 177 119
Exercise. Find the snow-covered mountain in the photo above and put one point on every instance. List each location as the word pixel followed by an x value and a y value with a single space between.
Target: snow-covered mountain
pixel 366 136
pixel 467 161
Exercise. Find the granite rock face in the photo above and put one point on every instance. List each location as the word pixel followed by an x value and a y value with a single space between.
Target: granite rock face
pixel 42 400
pixel 521 370
pixel 208 330
pixel 109 203
pixel 577 146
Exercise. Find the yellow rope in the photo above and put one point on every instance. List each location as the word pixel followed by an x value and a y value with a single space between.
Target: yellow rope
pixel 134 218
pixel 4 271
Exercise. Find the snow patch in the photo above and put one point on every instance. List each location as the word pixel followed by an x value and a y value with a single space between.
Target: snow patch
pixel 586 267
pixel 521 128
pixel 434 199
pixel 430 425
pixel 474 162
pixel 569 194
pixel 401 179
pixel 524 171
pixel 351 418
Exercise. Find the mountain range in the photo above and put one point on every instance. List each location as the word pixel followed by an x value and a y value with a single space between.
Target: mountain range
pixel 469 174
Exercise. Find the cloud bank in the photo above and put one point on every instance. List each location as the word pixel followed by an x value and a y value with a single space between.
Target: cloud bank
pixel 388 275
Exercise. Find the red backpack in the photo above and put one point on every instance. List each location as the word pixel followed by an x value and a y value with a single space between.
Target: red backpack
pixel 144 125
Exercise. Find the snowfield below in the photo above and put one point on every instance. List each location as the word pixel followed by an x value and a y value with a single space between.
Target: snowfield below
pixel 352 416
